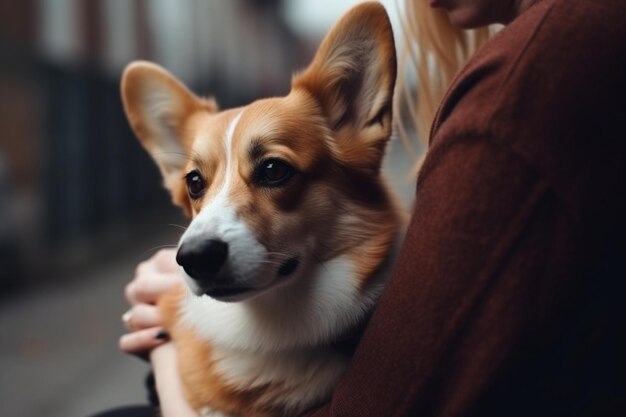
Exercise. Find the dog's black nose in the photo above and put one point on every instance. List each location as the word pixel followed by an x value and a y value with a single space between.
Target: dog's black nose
pixel 203 259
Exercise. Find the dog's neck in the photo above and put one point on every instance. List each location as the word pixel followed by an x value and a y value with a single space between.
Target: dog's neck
pixel 313 311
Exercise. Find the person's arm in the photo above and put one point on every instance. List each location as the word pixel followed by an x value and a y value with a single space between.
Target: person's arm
pixel 473 287
pixel 171 397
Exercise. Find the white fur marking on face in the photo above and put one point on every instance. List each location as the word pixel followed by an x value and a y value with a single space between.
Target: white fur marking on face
pixel 219 220
pixel 228 145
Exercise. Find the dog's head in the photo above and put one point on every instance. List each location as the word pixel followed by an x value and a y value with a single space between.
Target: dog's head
pixel 282 183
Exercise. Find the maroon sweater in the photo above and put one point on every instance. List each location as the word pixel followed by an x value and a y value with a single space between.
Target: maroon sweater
pixel 508 297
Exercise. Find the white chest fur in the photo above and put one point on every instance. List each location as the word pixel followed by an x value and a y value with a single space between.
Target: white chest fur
pixel 282 339
pixel 290 380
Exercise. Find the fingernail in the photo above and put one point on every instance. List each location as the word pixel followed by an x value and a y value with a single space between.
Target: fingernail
pixel 126 317
pixel 162 335
pixel 123 339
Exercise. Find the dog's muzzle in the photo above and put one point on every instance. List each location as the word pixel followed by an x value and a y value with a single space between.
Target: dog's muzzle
pixel 205 262
pixel 202 260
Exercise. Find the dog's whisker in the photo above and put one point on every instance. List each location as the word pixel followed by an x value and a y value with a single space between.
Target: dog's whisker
pixel 280 254
pixel 178 225
pixel 319 261
pixel 156 248
pixel 325 248
pixel 181 154
pixel 271 263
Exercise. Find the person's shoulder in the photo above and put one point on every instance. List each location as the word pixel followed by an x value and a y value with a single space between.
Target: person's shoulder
pixel 577 35
pixel 556 49
pixel 554 40
pixel 562 64
pixel 544 85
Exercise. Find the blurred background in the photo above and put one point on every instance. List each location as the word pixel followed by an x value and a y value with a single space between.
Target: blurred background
pixel 80 202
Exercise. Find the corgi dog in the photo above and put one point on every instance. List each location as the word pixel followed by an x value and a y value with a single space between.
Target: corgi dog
pixel 293 229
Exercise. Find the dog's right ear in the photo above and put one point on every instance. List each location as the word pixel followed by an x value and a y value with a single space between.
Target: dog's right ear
pixel 158 107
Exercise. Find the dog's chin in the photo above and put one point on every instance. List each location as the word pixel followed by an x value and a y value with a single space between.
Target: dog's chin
pixel 231 295
pixel 236 293
pixel 226 294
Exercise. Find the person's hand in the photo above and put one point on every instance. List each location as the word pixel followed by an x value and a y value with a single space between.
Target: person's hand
pixel 153 277
pixel 146 338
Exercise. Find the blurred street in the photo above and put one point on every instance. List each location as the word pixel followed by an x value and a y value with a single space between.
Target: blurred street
pixel 58 351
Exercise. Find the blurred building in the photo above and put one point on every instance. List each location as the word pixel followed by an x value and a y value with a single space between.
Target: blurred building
pixel 73 179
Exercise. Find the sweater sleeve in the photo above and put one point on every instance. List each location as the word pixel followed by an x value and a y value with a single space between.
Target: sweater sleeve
pixel 480 286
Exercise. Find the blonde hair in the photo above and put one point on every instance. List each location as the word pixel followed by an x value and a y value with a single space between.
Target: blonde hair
pixel 434 51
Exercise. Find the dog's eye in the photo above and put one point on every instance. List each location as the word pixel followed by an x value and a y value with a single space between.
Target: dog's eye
pixel 273 173
pixel 195 184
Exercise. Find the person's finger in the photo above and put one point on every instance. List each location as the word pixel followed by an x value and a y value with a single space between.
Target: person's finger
pixel 144 340
pixel 165 260
pixel 141 316
pixel 148 286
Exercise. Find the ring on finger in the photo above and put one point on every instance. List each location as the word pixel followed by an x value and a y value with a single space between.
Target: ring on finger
pixel 126 319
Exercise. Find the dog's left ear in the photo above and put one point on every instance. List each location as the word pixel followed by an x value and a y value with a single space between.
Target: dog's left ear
pixel 352 77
